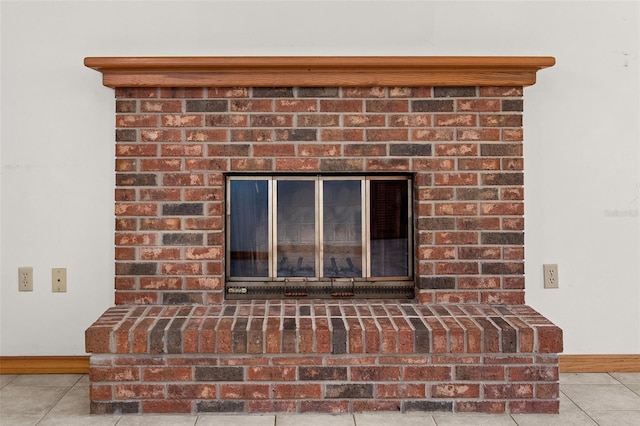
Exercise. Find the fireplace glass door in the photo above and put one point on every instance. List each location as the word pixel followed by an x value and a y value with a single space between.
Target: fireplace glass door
pixel 302 236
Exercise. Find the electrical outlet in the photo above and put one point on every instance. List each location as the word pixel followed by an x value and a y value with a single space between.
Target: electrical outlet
pixel 25 278
pixel 59 280
pixel 550 275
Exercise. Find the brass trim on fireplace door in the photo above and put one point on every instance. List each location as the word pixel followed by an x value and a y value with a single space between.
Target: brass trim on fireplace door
pixel 318 71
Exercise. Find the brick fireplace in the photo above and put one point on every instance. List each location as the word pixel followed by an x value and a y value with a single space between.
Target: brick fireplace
pixel 458 337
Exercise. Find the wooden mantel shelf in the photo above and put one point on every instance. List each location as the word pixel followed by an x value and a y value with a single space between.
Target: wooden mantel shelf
pixel 310 71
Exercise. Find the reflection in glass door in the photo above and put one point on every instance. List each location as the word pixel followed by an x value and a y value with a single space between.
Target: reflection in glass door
pixel 296 228
pixel 342 228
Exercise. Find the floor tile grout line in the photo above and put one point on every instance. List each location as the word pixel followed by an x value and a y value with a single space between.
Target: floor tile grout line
pixel 580 408
pixel 56 404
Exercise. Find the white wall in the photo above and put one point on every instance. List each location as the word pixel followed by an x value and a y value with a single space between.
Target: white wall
pixel 581 139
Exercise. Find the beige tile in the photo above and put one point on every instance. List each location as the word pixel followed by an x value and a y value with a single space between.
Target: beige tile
pixel 75 401
pixel 5 379
pixel 159 420
pixel 19 419
pixel 570 418
pixel 473 419
pixel 314 420
pixel 587 379
pixel 395 419
pixel 635 387
pixel 616 418
pixel 239 420
pixel 566 404
pixel 84 381
pixel 30 399
pixel 46 379
pixel 602 397
pixel 627 378
pixel 78 420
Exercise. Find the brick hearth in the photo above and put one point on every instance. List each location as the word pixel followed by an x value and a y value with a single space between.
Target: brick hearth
pixel 467 342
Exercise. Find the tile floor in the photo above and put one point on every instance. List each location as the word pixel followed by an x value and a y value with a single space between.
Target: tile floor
pixel 62 399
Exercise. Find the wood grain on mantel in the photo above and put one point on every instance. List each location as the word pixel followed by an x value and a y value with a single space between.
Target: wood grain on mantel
pixel 319 71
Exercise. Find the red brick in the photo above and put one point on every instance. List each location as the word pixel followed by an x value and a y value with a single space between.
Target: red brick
pixel 140 120
pixel 305 336
pixel 455 120
pixel 510 391
pixel 166 406
pixel 114 374
pixel 252 164
pixel 347 135
pixel 206 135
pixel 273 150
pixel 403 390
pixel 183 150
pixel 100 392
pixel 297 391
pixel 271 120
pixel 370 120
pixel 138 391
pixel 410 120
pixel 456 150
pixel 547 390
pixel 271 406
pixel 375 373
pixel 209 164
pixel 160 135
pixel 434 164
pixel 456 179
pixel 426 373
pixel 170 194
pixel 166 374
pixel 271 374
pixel 376 405
pixel 125 253
pixel 433 135
pixel 138 209
pixel 456 209
pixel 159 253
pixel 388 164
pixel 436 253
pixel 244 391
pixel 480 373
pixel 512 135
pixel 252 105
pixel 384 135
pixel 183 179
pixel 502 209
pixel 533 373
pixel 534 407
pixel 191 391
pixel 324 406
pixel 182 120
pixel 478 105
pixel 296 105
pixel 488 407
pixel 181 92
pixel 160 283
pixel 455 390
pixel 320 150
pixel 364 92
pixel 136 92
pixel 549 339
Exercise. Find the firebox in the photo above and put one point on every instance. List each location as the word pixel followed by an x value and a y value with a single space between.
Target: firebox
pixel 319 236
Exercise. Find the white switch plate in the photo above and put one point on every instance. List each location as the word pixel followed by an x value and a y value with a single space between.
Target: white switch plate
pixel 59 280
pixel 550 275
